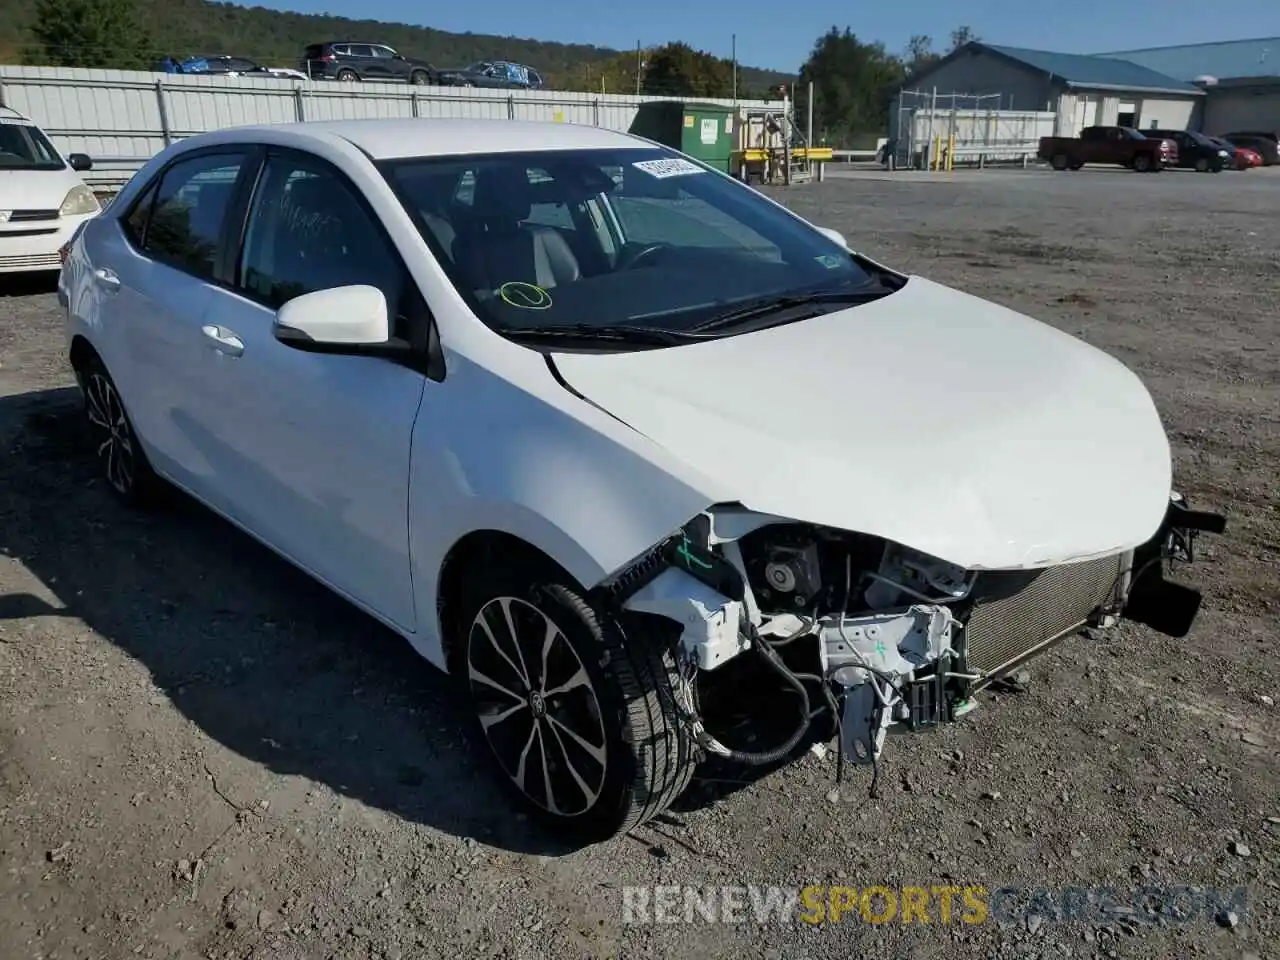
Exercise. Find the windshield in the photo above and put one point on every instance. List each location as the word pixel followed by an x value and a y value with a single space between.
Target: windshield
pixel 612 238
pixel 24 147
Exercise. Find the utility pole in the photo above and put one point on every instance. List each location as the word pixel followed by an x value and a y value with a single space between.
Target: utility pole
pixel 735 69
pixel 639 67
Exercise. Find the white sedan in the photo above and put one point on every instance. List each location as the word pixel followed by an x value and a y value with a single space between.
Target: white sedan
pixel 659 470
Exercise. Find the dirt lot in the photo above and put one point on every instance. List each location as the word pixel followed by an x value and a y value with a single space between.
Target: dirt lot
pixel 204 755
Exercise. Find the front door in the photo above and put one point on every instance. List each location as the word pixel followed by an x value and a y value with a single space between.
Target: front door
pixel 317 446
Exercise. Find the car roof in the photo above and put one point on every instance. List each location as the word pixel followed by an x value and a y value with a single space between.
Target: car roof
pixel 390 139
pixel 8 113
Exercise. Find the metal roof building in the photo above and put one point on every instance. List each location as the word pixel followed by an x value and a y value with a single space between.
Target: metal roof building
pixel 1214 87
pixel 1228 60
pixel 1241 77
pixel 1080 90
pixel 1078 71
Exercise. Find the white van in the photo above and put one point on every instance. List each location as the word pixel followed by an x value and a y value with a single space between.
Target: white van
pixel 42 198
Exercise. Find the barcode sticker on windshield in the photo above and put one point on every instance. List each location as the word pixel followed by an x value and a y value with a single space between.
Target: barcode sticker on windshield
pixel 668 168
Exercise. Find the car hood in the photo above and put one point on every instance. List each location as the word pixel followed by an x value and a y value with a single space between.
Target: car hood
pixel 929 417
pixel 35 189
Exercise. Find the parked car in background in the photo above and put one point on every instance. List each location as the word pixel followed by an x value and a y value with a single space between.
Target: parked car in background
pixel 493 73
pixel 42 198
pixel 350 60
pixel 532 444
pixel 226 66
pixel 1243 157
pixel 1122 146
pixel 1195 150
pixel 1264 145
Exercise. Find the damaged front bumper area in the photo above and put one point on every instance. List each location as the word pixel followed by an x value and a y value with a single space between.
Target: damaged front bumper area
pixel 858 635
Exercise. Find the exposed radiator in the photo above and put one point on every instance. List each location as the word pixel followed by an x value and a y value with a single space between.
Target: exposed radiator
pixel 1015 612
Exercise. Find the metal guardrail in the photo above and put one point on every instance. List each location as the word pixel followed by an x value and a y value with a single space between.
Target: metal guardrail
pixel 853 156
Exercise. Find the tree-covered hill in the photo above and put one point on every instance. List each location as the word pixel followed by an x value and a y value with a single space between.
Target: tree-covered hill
pixel 183 28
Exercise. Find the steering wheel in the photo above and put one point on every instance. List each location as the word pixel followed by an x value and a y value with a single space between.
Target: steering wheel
pixel 645 253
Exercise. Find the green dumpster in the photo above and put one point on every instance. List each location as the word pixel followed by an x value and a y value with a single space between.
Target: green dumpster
pixel 702 130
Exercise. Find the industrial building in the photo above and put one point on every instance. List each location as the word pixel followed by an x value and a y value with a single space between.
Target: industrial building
pixel 1240 77
pixel 1214 87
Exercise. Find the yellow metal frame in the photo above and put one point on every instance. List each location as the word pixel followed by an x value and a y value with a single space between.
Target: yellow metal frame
pixel 761 154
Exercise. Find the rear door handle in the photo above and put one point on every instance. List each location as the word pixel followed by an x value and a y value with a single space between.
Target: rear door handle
pixel 224 340
pixel 107 279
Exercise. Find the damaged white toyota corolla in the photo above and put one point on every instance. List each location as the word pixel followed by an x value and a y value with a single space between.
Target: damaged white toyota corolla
pixel 661 472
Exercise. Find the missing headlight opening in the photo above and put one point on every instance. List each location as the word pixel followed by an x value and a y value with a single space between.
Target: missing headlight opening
pixel 786 631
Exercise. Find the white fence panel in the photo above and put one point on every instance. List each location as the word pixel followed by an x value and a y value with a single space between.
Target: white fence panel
pixel 995 134
pixel 122 118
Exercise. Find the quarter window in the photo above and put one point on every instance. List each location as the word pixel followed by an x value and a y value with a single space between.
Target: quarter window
pixel 184 228
pixel 309 231
pixel 135 224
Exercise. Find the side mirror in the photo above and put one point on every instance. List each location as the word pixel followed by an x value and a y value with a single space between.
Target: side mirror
pixel 833 235
pixel 344 320
pixel 80 162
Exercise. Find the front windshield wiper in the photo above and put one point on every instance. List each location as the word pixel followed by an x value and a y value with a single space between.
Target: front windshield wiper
pixel 623 333
pixel 767 305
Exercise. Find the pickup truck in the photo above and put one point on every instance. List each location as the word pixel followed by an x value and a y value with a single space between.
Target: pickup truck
pixel 1123 146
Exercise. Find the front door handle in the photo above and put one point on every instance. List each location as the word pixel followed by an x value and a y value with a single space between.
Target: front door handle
pixel 224 340
pixel 107 279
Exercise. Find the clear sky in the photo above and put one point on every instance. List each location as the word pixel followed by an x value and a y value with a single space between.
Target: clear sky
pixel 780 35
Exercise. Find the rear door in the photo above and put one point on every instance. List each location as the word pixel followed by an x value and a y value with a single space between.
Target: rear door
pixel 1093 146
pixel 315 448
pixel 155 271
pixel 361 59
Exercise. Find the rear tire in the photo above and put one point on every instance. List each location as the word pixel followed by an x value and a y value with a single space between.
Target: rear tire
pixel 123 462
pixel 579 716
pixel 1142 163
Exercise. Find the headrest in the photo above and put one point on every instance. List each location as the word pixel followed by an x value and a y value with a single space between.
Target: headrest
pixel 502 193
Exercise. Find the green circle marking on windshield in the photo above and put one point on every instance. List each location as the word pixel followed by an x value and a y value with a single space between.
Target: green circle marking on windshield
pixel 526 296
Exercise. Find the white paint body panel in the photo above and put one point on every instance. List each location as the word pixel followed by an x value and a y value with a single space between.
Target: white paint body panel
pixel 930 417
pixel 22 249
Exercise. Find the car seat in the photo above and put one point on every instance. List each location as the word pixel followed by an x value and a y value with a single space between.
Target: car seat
pixel 495 245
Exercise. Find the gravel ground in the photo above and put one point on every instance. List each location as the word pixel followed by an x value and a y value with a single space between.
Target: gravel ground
pixel 204 755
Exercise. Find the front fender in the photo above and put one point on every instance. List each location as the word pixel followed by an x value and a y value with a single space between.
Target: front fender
pixel 541 464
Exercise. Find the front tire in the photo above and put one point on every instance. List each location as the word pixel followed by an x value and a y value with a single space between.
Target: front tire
pixel 1060 161
pixel 124 463
pixel 419 78
pixel 579 716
